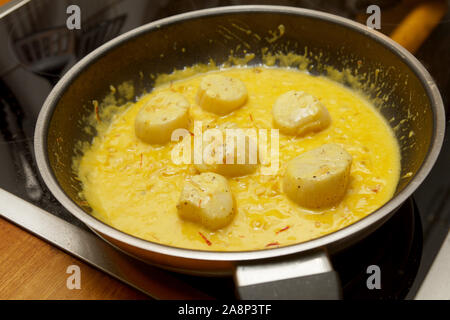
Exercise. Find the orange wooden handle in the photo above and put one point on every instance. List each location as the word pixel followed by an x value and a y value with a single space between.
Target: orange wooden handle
pixel 2 2
pixel 418 24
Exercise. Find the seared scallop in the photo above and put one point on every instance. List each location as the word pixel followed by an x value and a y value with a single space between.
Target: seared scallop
pixel 318 178
pixel 206 199
pixel 221 94
pixel 160 116
pixel 298 113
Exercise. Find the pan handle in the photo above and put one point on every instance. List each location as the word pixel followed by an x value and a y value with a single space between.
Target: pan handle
pixel 308 276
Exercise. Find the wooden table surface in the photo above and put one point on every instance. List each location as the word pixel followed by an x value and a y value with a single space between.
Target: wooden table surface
pixel 30 268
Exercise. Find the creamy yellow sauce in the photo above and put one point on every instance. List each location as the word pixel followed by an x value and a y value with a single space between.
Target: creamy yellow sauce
pixel 135 187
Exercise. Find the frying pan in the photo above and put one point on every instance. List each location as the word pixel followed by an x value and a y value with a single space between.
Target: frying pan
pixel 401 88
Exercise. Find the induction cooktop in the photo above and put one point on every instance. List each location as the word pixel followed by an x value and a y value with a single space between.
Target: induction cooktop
pixel 406 246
